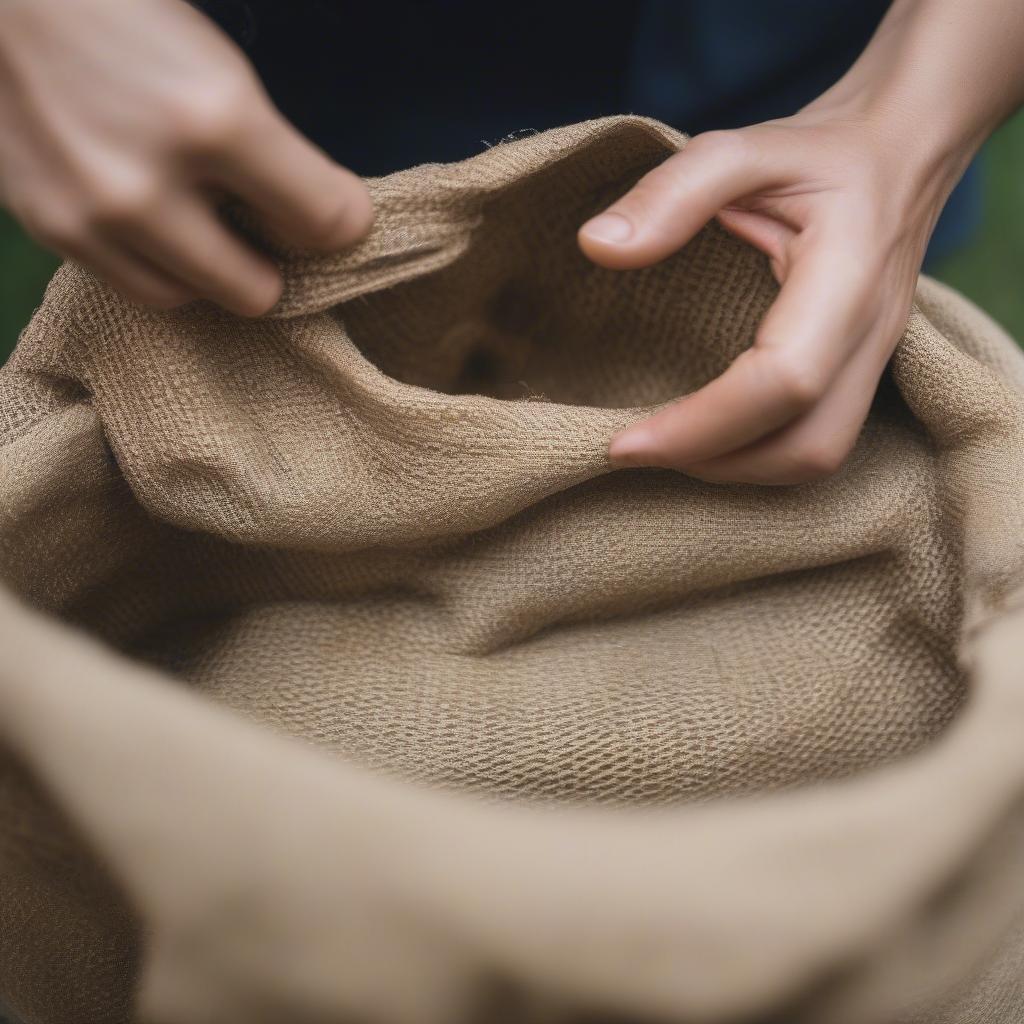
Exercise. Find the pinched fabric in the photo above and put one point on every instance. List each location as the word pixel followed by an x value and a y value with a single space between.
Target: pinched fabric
pixel 348 681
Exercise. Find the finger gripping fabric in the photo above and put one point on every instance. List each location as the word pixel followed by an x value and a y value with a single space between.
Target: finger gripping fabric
pixel 738 751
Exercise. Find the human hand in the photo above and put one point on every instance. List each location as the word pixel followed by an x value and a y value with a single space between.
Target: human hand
pixel 126 124
pixel 845 238
pixel 842 197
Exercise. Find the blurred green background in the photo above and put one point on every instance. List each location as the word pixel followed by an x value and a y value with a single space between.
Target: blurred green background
pixel 990 270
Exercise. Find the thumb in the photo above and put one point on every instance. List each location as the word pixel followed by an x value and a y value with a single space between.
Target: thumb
pixel 670 204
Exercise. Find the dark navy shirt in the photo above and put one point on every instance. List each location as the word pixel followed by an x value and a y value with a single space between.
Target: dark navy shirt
pixel 386 85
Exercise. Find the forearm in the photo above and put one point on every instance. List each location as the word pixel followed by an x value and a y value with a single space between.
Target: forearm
pixel 938 78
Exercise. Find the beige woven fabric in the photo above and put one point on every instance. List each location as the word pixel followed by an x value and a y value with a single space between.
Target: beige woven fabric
pixel 443 720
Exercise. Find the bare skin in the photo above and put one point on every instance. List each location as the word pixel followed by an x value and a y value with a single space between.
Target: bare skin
pixel 843 198
pixel 126 124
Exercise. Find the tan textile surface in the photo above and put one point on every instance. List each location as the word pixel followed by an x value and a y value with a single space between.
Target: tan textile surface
pixel 442 720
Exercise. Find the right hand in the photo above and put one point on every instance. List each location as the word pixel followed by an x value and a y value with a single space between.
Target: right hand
pixel 125 125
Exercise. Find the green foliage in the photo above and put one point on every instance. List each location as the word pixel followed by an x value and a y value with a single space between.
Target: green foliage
pixel 24 271
pixel 990 270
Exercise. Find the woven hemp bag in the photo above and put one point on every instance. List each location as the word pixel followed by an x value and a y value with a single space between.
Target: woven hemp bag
pixel 344 680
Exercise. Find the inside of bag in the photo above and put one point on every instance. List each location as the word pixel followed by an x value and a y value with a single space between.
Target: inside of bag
pixel 640 637
pixel 531 662
pixel 523 315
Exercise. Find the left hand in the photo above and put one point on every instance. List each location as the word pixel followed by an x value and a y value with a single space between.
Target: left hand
pixel 842 197
pixel 836 207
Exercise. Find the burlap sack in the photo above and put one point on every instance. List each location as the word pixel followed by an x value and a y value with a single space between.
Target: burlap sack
pixel 694 753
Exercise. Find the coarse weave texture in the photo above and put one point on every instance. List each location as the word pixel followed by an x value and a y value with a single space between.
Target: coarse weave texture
pixel 428 716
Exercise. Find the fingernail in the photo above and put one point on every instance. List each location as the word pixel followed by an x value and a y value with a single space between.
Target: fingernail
pixel 608 227
pixel 631 448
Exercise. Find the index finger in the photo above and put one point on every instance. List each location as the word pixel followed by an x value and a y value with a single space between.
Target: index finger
pixel 808 335
pixel 672 202
pixel 312 201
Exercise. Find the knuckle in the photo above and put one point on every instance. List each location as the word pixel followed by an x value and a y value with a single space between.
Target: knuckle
pixel 816 461
pixel 205 118
pixel 796 381
pixel 119 202
pixel 732 146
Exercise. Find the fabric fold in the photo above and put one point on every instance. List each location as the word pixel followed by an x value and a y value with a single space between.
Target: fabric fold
pixel 344 678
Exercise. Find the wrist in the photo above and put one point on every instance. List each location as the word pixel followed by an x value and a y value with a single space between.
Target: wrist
pixel 936 80
pixel 918 155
